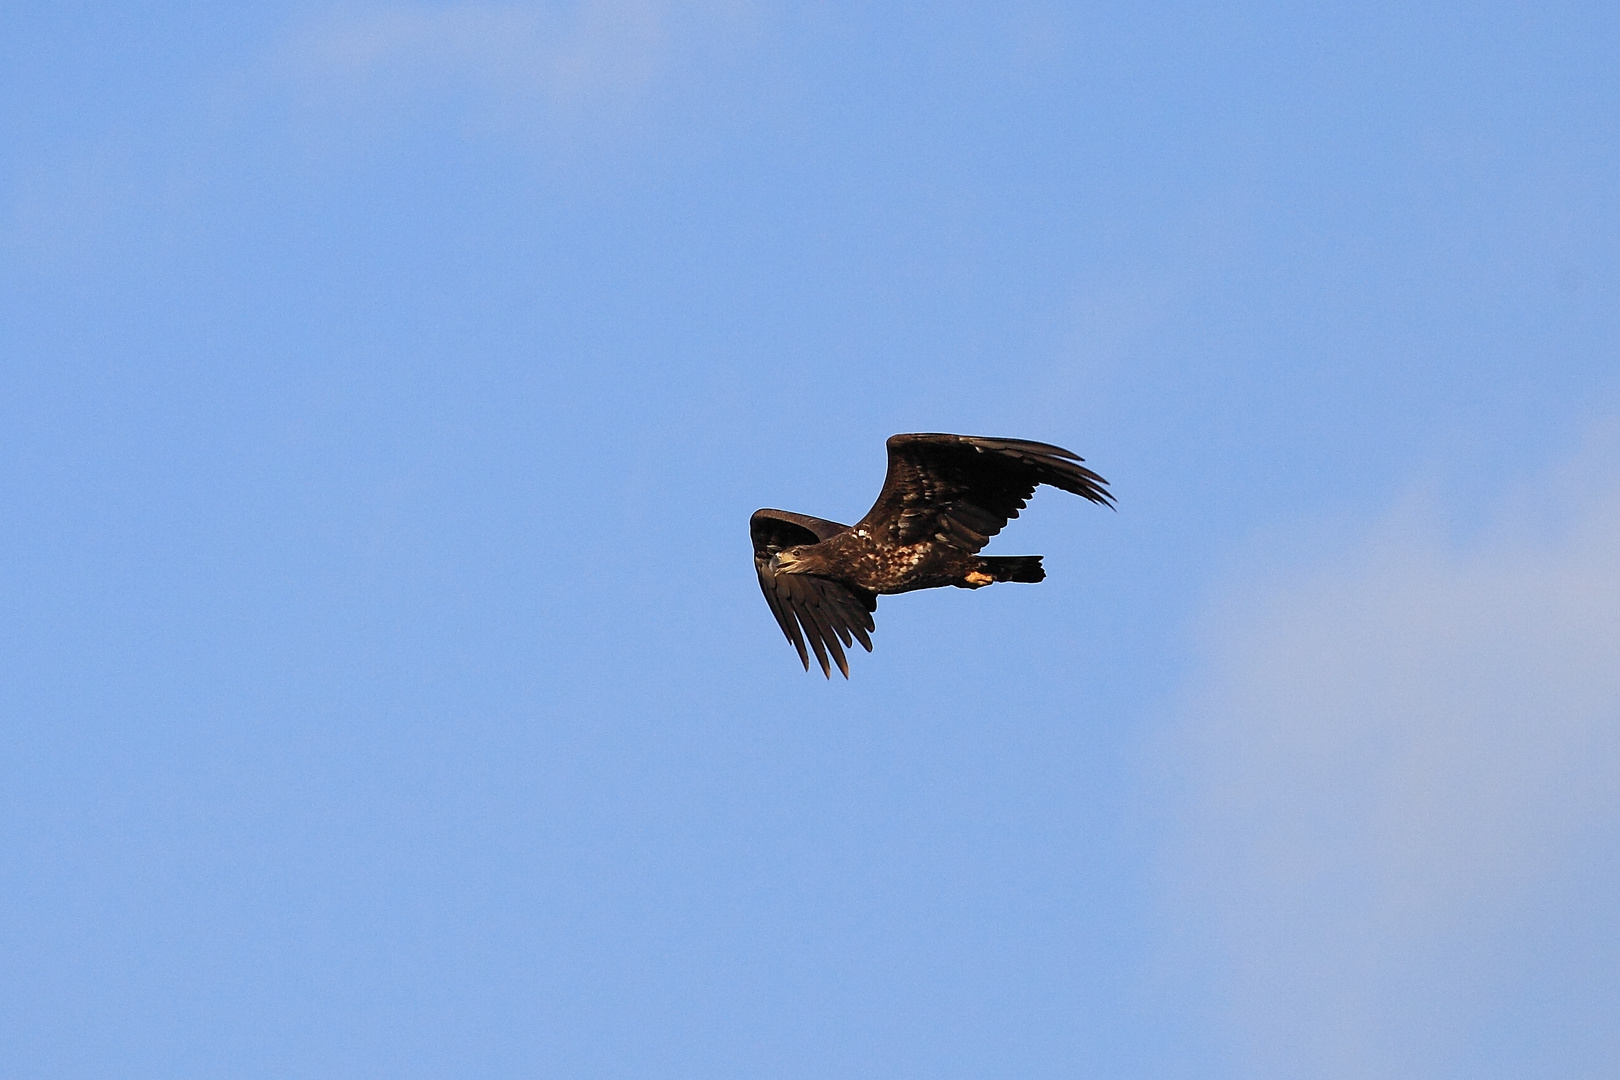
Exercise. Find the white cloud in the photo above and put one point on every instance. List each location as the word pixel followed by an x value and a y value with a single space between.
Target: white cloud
pixel 352 78
pixel 1402 790
pixel 555 53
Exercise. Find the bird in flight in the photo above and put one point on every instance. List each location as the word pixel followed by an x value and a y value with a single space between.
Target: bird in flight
pixel 943 499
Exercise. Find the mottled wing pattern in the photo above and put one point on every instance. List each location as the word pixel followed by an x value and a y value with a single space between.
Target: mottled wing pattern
pixel 810 609
pixel 963 490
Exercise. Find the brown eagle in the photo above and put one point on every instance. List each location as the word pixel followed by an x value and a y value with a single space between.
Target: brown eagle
pixel 945 496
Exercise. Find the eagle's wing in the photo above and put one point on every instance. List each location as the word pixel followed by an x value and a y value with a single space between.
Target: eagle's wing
pixel 963 490
pixel 827 610
pixel 774 530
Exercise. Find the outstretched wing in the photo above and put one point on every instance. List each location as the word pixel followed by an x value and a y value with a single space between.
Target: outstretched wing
pixel 809 608
pixel 963 490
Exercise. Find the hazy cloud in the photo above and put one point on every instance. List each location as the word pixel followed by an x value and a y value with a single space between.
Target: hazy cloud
pixel 1401 774
pixel 352 77
pixel 551 52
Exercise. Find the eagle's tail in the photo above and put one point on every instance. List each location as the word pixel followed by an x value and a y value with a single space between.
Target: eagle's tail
pixel 1025 568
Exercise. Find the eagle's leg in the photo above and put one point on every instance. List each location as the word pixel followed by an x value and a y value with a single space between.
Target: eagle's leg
pixel 992 568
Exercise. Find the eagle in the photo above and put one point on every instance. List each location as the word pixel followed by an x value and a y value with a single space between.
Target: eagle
pixel 943 499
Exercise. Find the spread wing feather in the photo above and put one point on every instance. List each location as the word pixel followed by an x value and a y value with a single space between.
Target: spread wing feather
pixel 827 615
pixel 963 490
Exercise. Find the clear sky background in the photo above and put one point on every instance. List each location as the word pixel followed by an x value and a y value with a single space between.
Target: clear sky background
pixel 385 689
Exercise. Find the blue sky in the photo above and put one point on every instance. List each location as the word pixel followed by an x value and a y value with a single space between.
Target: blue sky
pixel 384 390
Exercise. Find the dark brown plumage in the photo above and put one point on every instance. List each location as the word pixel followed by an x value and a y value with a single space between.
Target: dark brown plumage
pixel 944 497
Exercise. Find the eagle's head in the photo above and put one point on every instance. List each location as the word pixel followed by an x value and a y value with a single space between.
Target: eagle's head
pixel 788 561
